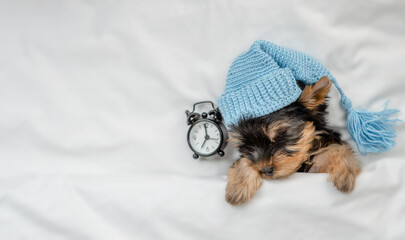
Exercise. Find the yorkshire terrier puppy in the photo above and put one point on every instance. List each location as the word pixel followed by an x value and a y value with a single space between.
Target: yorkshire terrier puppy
pixel 295 138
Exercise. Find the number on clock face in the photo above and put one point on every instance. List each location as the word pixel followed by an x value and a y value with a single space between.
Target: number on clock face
pixel 205 137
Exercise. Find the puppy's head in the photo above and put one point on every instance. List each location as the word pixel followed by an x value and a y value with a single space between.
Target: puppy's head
pixel 276 145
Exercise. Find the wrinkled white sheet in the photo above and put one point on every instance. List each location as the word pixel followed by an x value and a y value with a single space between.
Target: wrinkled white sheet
pixel 92 123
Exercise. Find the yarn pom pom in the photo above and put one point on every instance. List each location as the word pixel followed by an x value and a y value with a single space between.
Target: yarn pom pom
pixel 373 132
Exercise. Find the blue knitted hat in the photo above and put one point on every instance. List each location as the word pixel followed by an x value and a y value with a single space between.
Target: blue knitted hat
pixel 263 80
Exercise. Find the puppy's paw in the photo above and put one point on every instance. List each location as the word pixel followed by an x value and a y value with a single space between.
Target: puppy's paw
pixel 236 195
pixel 243 182
pixel 344 181
pixel 343 167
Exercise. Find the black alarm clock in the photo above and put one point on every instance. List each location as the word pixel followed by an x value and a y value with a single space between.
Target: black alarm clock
pixel 207 134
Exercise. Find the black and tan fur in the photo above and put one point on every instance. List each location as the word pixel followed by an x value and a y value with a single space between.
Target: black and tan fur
pixel 295 138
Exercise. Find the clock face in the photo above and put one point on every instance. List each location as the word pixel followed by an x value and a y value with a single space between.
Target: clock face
pixel 205 137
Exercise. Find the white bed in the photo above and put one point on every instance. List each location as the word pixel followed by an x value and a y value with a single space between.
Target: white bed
pixel 92 123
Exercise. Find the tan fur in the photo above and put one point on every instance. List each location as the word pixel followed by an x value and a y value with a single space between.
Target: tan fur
pixel 314 95
pixel 320 162
pixel 243 182
pixel 342 167
pixel 273 129
pixel 285 165
pixel 234 139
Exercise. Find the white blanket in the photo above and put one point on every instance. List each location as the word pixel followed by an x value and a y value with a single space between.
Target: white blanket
pixel 93 131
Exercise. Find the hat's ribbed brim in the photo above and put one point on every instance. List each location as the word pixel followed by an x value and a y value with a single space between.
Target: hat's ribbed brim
pixel 261 97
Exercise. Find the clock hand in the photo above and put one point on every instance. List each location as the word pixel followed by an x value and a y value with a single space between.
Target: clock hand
pixel 214 138
pixel 206 135
pixel 205 128
pixel 203 143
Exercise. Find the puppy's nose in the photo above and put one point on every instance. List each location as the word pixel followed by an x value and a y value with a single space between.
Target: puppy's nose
pixel 268 171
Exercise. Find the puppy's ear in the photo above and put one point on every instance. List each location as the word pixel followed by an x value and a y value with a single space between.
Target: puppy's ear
pixel 314 95
pixel 243 182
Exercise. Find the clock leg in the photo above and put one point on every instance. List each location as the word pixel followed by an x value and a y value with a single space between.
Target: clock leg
pixel 195 156
pixel 221 153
